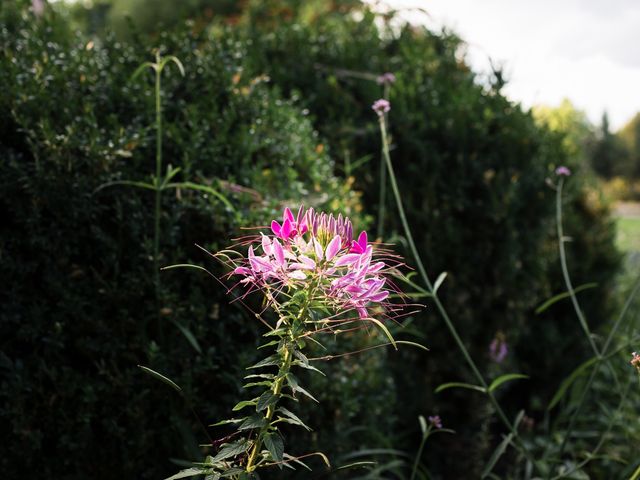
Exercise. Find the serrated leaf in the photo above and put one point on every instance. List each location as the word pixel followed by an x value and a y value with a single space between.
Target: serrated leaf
pixel 439 281
pixel 274 444
pixel 267 399
pixel 160 377
pixel 254 421
pixel 446 386
pixel 189 472
pixel 231 450
pixel 265 362
pixel 495 456
pixel 566 383
pixel 293 417
pixel 243 404
pixel 505 378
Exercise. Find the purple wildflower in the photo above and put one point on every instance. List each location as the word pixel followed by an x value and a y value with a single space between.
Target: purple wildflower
pixel 563 171
pixel 435 421
pixel 381 106
pixel 316 251
pixel 386 78
pixel 635 361
pixel 498 348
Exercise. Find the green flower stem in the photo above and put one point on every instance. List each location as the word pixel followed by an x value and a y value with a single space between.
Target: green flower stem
pixel 443 313
pixel 601 355
pixel 382 195
pixel 284 369
pixel 158 191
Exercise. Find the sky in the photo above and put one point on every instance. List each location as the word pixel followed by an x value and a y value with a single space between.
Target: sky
pixel 585 50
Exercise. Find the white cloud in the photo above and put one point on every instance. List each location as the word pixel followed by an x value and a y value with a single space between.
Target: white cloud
pixel 584 50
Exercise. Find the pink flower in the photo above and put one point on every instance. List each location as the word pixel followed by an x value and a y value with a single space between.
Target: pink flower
pixel 386 78
pixel 316 251
pixel 498 348
pixel 563 171
pixel 381 106
pixel 435 421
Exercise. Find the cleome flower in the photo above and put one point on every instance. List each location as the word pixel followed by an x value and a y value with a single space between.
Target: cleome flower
pixel 316 252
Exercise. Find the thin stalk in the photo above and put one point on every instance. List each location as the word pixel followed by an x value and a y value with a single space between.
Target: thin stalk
pixel 158 193
pixel 382 195
pixel 443 313
pixel 565 271
pixel 416 462
pixel 601 355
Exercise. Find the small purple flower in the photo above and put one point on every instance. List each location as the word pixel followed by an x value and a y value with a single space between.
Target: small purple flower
pixel 386 78
pixel 563 171
pixel 381 106
pixel 436 421
pixel 498 348
pixel 635 361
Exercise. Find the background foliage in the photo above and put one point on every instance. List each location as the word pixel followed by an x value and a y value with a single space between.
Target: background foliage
pixel 274 109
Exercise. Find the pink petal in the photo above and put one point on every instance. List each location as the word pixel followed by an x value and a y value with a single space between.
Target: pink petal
pixel 276 228
pixel 318 248
pixel 333 247
pixel 362 312
pixel 311 265
pixel 297 275
pixel 241 271
pixel 266 245
pixel 287 215
pixel 362 240
pixel 285 232
pixel 347 259
pixel 378 297
pixel 278 252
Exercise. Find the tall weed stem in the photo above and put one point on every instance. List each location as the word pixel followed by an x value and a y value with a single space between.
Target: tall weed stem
pixel 443 313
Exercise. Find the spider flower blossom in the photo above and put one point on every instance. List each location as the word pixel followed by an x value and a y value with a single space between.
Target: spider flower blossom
pixel 317 251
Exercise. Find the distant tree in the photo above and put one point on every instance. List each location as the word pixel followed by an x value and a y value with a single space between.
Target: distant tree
pixel 609 154
pixel 572 123
pixel 629 136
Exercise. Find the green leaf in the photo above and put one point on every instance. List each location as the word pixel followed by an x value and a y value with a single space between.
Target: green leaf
pixel 293 459
pixel 268 376
pixel 266 362
pixel 274 444
pixel 304 392
pixel 203 188
pixel 438 282
pixel 308 367
pixel 243 404
pixel 189 472
pixel 446 386
pixel 227 422
pixel 293 418
pixel 563 295
pixel 189 336
pixel 566 383
pixel 160 377
pixel 267 399
pixel 505 378
pixel 231 450
pixel 423 425
pixel 265 383
pixel 254 421
pixel 497 453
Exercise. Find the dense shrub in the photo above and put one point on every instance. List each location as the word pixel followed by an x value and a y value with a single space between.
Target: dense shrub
pixel 79 309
